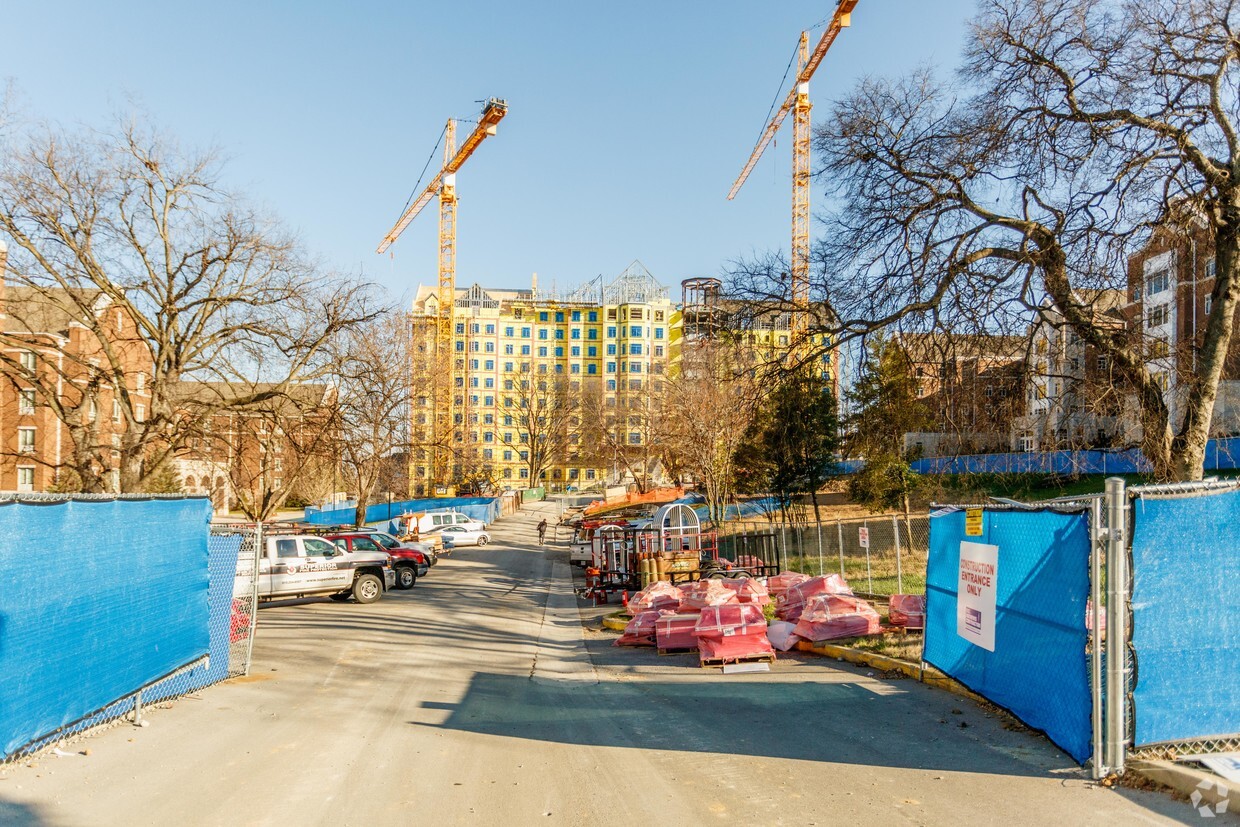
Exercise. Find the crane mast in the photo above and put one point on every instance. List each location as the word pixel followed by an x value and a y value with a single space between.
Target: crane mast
pixel 799 105
pixel 443 185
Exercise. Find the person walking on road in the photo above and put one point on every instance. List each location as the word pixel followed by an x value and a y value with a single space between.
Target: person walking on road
pixel 542 532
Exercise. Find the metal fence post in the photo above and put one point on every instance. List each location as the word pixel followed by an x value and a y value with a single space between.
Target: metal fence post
pixel 869 572
pixel 1117 632
pixel 839 529
pixel 895 530
pixel 783 543
pixel 821 568
pixel 1095 648
pixel 258 556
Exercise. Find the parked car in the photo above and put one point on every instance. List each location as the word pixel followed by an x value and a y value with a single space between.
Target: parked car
pixel 298 565
pixel 455 535
pixel 409 564
pixel 389 542
pixel 431 521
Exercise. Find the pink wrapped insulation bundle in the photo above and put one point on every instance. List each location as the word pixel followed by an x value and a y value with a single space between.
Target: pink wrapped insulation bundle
pixel 779 583
pixel 748 590
pixel 790 606
pixel 705 593
pixel 676 631
pixel 658 596
pixel 640 630
pixel 907 610
pixel 831 616
pixel 736 631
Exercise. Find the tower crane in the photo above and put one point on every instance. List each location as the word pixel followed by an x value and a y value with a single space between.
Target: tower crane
pixel 444 186
pixel 799 104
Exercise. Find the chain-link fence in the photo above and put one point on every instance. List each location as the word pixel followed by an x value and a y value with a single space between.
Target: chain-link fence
pixel 232 553
pixel 880 555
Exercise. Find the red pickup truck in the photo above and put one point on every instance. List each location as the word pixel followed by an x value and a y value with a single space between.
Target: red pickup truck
pixel 409 563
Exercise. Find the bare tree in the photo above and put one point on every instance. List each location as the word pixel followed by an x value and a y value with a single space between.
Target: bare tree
pixel 624 430
pixel 1076 127
pixel 171 277
pixel 372 409
pixel 711 403
pixel 545 409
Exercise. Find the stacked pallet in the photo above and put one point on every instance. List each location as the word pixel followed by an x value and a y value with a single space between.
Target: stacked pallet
pixel 831 616
pixel 907 611
pixel 732 633
pixel 793 602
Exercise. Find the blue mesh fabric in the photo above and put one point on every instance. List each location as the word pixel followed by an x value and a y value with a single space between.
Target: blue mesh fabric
pixel 1186 617
pixel 1038 670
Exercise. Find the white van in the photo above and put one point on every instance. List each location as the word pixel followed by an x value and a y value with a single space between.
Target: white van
pixel 435 520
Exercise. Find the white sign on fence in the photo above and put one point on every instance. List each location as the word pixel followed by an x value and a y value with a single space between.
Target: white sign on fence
pixel 975 599
pixel 863 537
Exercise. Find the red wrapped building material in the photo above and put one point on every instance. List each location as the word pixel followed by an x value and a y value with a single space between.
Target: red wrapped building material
pixel 732 632
pixel 674 631
pixel 658 596
pixel 793 602
pixel 639 631
pixel 748 590
pixel 779 583
pixel 831 616
pixel 907 610
pixel 705 593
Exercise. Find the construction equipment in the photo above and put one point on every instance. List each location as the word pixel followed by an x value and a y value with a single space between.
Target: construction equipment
pixel 799 104
pixel 444 185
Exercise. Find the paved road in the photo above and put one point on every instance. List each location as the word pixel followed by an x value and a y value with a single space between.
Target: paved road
pixel 477 698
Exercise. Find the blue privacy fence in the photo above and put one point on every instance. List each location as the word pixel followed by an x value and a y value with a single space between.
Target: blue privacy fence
pixel 486 509
pixel 101 598
pixel 1037 582
pixel 1186 617
pixel 1221 455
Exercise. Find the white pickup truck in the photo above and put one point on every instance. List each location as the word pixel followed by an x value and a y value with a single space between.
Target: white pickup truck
pixel 294 565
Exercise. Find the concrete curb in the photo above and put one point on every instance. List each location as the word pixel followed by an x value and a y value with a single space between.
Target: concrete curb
pixel 1183 779
pixel 927 674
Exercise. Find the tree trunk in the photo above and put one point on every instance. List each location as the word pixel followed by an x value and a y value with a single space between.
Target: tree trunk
pixel 359 512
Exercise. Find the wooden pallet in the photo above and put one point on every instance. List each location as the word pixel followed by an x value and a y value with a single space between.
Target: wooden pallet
pixel 682 650
pixel 763 658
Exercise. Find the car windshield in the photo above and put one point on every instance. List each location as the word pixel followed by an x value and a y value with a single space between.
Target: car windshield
pixel 385 540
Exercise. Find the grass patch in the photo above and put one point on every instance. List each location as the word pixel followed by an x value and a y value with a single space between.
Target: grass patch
pixel 902 646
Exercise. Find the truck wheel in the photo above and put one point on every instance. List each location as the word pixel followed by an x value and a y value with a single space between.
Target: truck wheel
pixel 406 577
pixel 367 588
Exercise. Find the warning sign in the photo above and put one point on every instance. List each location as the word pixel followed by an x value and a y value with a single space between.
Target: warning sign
pixel 975 598
pixel 863 537
pixel 973 522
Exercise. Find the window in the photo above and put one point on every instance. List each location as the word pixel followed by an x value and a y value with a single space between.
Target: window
pixel 139 413
pixel 658 333
pixel 321 548
pixel 473 381
pixel 559 351
pixel 1157 316
pixel 592 333
pixel 507 435
pixel 1209 303
pixel 25 440
pixel 460 329
pixel 1210 268
pixel 635 437
pixel 525 333
pixel 559 334
pixel 25 479
pixel 592 316
pixel 542 334
pixel 559 316
pixel 116 411
pixel 1157 283
pixel 611 384
pixel 542 317
pixel 288 548
pixel 524 473
pixel 658 350
pixel 575 368
pixel 140 382
pixel 611 331
pixel 489 347
pixel 525 455
pixel 508 421
pixel 611 367
pixel 491 329
pixel 1102 363
pixel 525 350
pixel 487 453
pixel 488 419
pixel 473 347
pixel 25 402
pixel 576 333
pixel 611 315
pixel 508 454
pixel 592 369
pixel 635 349
pixel 460 346
pixel 473 364
pixel 490 364
pixel 1028 443
pixel 589 473
pixel 635 367
pixel 658 315
pixel 635 313
pixel 611 350
pixel 1160 379
pixel 635 330
pixel 542 351
pixel 1158 349
pixel 575 350
pixel 28 361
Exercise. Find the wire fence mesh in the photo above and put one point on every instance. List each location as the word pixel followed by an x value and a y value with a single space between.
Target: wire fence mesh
pixel 232 554
pixel 879 555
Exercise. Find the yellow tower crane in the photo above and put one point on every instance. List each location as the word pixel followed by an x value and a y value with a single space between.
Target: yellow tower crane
pixel 444 186
pixel 799 104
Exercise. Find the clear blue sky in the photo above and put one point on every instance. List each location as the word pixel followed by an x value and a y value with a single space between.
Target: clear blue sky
pixel 628 122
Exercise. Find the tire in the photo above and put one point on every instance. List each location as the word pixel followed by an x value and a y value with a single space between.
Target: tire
pixel 482 541
pixel 406 577
pixel 341 597
pixel 367 588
